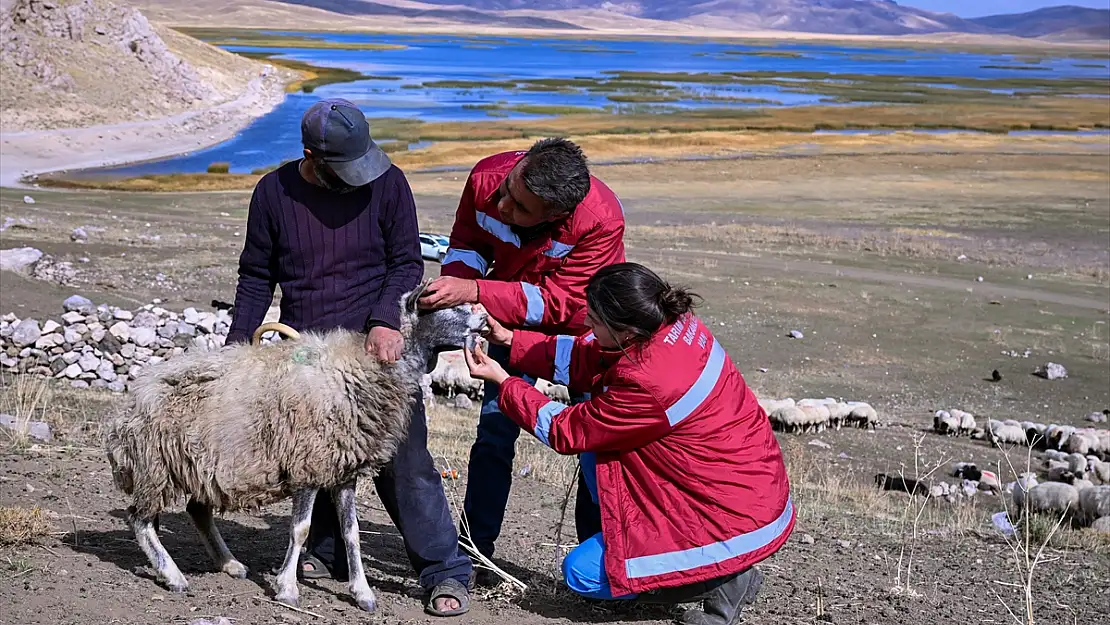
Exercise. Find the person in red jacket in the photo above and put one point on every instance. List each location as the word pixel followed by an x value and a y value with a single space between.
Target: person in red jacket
pixel 676 450
pixel 531 228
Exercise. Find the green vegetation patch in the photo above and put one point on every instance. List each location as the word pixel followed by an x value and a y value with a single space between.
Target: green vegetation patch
pixel 315 76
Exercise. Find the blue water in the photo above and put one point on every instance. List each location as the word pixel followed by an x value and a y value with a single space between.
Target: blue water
pixel 276 136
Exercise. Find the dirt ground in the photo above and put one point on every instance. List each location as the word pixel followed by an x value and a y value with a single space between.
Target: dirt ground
pixel 859 252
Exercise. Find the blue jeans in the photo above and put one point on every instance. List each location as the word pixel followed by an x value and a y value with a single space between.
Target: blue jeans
pixel 584 566
pixel 491 470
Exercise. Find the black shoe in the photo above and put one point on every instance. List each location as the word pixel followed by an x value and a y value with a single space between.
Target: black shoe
pixel 724 605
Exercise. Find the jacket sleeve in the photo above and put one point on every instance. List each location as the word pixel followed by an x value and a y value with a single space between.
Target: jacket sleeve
pixel 622 418
pixel 555 301
pixel 468 255
pixel 403 265
pixel 255 290
pixel 573 361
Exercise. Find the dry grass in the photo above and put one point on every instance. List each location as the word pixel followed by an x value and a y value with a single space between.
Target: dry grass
pixel 28 400
pixel 451 432
pixel 20 525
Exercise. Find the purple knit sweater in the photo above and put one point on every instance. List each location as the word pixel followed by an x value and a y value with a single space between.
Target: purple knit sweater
pixel 342 260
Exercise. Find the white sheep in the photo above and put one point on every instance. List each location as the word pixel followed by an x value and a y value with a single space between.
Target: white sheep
pixel 1054 497
pixel 556 392
pixel 839 413
pixel 789 419
pixel 862 415
pixel 245 426
pixel 452 377
pixel 1094 503
pixel 946 423
pixel 1020 489
pixel 1077 463
pixel 1102 525
pixel 1004 432
pixel 1098 470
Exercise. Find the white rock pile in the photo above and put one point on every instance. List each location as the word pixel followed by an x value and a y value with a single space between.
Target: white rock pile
pixel 104 346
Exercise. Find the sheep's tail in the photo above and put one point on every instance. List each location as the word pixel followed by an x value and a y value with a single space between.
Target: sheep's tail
pixel 276 326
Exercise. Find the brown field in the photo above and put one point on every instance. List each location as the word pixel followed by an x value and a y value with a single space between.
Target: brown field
pixel 871 246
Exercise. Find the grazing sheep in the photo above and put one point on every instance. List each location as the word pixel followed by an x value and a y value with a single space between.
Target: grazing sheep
pixel 1094 503
pixel 1019 494
pixel 862 415
pixel 245 426
pixel 966 470
pixel 556 392
pixel 946 423
pixel 771 405
pixel 1102 525
pixel 838 414
pixel 451 377
pixel 1036 435
pixel 1006 432
pixel 1077 463
pixel 1098 470
pixel 817 416
pixel 989 482
pixel 1081 484
pixel 1053 497
pixel 787 419
pixel 967 421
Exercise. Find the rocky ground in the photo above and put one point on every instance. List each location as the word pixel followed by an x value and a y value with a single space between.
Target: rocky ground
pixel 887 312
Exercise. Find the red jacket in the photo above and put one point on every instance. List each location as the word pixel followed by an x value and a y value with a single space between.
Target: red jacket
pixel 690 478
pixel 540 284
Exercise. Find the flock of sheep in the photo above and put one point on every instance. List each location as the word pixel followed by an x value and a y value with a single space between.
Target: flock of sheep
pixel 1074 473
pixel 1088 441
pixel 818 415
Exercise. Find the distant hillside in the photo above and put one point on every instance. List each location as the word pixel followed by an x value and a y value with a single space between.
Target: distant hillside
pixel 454 14
pixel 687 17
pixel 75 63
pixel 1066 21
pixel 856 17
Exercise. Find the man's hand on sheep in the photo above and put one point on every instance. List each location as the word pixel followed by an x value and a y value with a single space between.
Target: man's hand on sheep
pixel 447 291
pixel 483 367
pixel 385 344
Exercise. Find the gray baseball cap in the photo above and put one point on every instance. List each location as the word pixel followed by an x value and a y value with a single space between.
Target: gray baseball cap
pixel 338 132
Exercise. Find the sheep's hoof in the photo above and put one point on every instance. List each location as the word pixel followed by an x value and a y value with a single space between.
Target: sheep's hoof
pixel 236 569
pixel 178 587
pixel 290 600
pixel 368 604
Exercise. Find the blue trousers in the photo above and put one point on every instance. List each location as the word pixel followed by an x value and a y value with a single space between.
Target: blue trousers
pixel 491 471
pixel 411 490
pixel 584 566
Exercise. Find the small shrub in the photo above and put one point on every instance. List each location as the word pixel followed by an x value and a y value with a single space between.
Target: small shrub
pixel 21 525
pixel 219 168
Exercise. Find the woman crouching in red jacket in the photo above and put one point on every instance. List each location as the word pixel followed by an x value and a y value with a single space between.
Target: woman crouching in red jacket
pixel 675 448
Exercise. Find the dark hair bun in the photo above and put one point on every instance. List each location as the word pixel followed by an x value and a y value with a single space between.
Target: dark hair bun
pixel 675 301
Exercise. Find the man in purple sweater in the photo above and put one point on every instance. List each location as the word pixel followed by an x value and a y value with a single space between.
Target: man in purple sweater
pixel 337 230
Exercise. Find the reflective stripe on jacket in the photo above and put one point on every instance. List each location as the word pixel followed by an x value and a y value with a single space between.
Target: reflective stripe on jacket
pixel 538 284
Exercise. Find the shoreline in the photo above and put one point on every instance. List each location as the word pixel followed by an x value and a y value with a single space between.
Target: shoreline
pixel 36 152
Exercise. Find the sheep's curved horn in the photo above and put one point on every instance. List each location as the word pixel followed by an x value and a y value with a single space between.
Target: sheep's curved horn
pixel 278 327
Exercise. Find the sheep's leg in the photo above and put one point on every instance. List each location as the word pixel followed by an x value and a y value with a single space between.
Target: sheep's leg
pixel 285 585
pixel 344 497
pixel 213 542
pixel 159 558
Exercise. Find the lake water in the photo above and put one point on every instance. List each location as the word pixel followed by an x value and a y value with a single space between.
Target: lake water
pixel 429 58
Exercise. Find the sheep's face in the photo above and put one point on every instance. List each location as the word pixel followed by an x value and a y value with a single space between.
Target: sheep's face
pixel 451 328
